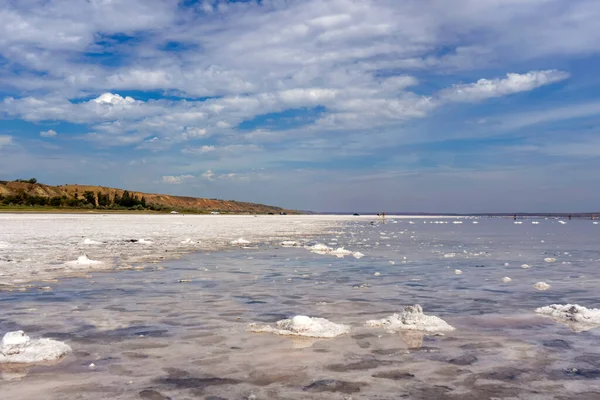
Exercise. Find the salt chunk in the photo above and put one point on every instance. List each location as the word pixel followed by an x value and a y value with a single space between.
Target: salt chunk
pixel 377 274
pixel 144 241
pixel 358 255
pixel 449 255
pixel 301 325
pixel 525 266
pixel 506 279
pixel 240 242
pixel 17 347
pixel 340 252
pixel 289 243
pixel 575 316
pixel 320 248
pixel 90 242
pixel 457 271
pixel 411 318
pixel 83 261
pixel 541 286
pixel 550 259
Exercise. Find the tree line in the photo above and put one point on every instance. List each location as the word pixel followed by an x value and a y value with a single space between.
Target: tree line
pixel 88 199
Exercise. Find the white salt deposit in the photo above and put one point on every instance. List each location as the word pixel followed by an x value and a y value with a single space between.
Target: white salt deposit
pixel 550 259
pixel 525 266
pixel 541 286
pixel 457 222
pixel 17 347
pixel 506 279
pixel 240 242
pixel 535 222
pixel 301 325
pixel 290 243
pixel 377 274
pixel 517 222
pixel 83 261
pixel 475 222
pixel 562 222
pixel 358 255
pixel 449 255
pixel 91 242
pixel 340 252
pixel 320 248
pixel 457 271
pixel 575 316
pixel 144 241
pixel 411 318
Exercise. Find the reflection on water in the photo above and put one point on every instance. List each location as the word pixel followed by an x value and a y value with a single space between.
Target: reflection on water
pixel 180 331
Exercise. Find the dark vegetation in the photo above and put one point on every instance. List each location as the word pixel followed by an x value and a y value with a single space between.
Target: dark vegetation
pixel 87 199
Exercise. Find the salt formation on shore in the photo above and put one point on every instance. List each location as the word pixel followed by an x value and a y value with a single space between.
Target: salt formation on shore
pixel 506 279
pixel 29 241
pixel 301 325
pixel 17 347
pixel 91 242
pixel 578 318
pixel 240 242
pixel 411 318
pixel 340 252
pixel 541 286
pixel 83 261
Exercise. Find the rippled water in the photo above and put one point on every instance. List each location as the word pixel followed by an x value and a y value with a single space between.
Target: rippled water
pixel 178 329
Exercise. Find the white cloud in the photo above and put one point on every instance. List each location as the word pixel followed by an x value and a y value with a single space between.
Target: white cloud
pixel 193 133
pixel 514 83
pixel 5 140
pixel 50 133
pixel 208 175
pixel 113 100
pixel 177 180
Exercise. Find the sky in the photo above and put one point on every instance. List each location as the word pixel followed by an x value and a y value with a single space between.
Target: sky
pixel 337 105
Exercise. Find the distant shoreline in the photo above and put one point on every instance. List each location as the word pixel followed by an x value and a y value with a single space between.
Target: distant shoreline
pixel 48 210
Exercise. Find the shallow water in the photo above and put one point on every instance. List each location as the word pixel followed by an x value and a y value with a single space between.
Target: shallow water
pixel 178 329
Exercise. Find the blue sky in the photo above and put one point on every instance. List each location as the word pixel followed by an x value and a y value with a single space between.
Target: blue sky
pixel 339 105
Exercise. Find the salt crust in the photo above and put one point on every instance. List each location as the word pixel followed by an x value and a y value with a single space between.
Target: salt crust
pixel 240 242
pixel 340 252
pixel 541 286
pixel 578 318
pixel 301 325
pixel 17 347
pixel 83 261
pixel 411 318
